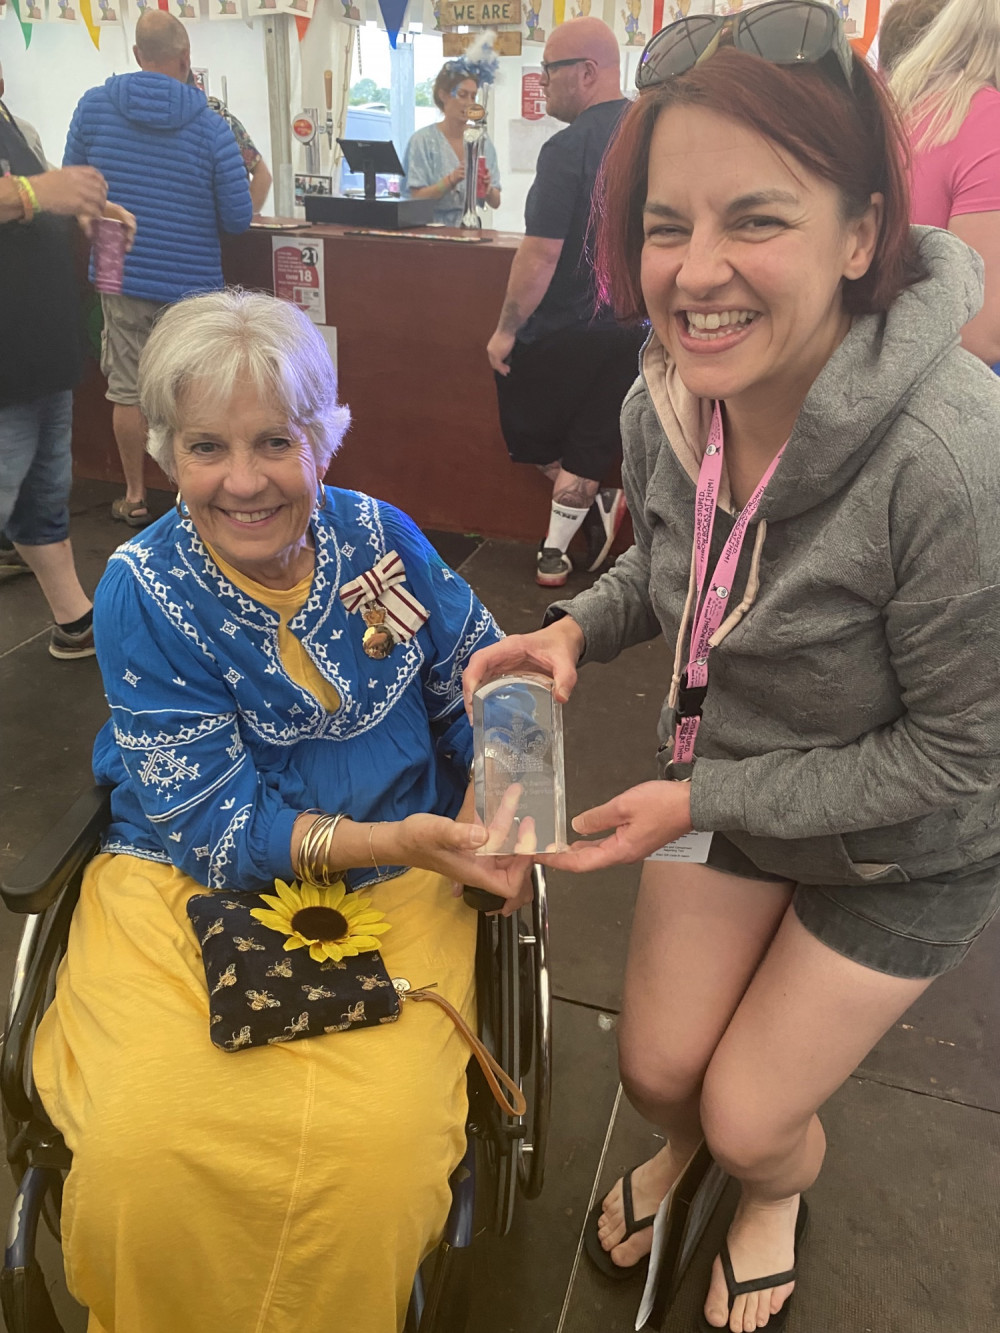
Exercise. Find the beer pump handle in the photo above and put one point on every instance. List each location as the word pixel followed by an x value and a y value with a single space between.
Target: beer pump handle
pixel 328 87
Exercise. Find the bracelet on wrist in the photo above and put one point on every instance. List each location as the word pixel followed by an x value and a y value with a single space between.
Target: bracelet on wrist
pixel 315 852
pixel 28 198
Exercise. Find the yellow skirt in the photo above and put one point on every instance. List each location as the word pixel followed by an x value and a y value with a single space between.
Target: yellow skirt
pixel 286 1189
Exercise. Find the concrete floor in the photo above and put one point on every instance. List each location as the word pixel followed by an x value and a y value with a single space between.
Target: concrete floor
pixel 905 1235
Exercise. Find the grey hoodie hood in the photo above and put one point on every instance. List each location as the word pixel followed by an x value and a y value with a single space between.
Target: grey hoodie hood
pixel 851 728
pixel 861 389
pixel 155 101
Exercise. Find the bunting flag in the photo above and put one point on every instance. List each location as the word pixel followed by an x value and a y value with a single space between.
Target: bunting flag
pixel 538 18
pixel 393 14
pixel 29 12
pixel 88 18
pixel 63 11
pixel 224 11
pixel 301 26
pixel 634 23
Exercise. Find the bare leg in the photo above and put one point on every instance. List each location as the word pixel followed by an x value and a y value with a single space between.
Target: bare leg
pixel 698 935
pixel 54 567
pixel 572 491
pixel 130 436
pixel 550 470
pixel 808 1017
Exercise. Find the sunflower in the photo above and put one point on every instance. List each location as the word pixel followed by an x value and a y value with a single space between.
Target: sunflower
pixel 330 922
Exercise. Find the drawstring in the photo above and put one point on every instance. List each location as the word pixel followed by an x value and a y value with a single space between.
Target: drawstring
pixel 731 621
pixel 692 593
pixel 493 1071
pixel 750 592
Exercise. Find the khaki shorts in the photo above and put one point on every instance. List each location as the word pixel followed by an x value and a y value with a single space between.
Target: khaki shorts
pixel 128 321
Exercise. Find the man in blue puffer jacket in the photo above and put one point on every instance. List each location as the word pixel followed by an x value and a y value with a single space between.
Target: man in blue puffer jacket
pixel 170 160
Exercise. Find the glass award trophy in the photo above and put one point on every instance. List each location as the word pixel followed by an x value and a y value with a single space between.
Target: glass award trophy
pixel 518 769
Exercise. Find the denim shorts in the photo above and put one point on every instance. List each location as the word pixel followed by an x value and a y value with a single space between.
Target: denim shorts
pixel 36 469
pixel 918 929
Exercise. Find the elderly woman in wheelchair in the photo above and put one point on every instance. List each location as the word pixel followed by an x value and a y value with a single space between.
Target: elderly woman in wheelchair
pixel 283 665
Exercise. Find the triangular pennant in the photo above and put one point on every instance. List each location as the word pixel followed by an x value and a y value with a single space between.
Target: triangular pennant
pixel 25 27
pixel 88 18
pixel 393 13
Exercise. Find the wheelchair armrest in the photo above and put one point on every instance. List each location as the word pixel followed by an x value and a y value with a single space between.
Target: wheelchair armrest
pixel 32 885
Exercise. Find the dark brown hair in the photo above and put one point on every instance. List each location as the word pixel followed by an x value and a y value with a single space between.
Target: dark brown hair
pixel 903 27
pixel 855 142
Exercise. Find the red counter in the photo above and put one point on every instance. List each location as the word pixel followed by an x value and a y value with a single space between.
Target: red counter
pixel 413 317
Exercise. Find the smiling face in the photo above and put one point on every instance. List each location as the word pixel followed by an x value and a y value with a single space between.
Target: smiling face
pixel 249 479
pixel 744 256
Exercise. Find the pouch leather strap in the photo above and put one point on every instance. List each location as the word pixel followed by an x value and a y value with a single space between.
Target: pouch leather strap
pixel 493 1071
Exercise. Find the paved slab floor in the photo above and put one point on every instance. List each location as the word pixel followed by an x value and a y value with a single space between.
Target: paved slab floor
pixel 905 1235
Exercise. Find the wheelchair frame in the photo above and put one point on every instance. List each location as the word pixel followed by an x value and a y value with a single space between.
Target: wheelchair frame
pixel 515 1022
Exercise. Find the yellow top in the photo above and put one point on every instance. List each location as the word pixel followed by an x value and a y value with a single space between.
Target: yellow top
pixel 286 603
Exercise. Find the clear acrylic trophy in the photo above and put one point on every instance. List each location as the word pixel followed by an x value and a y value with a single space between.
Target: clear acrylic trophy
pixel 518 770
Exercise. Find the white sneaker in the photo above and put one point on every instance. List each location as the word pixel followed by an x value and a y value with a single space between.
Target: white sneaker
pixel 553 566
pixel 600 527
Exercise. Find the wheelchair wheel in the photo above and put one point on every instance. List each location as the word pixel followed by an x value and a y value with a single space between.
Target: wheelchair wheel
pixel 515 1023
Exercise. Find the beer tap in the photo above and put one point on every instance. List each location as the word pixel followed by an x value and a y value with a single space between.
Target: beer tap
pixel 472 137
pixel 328 86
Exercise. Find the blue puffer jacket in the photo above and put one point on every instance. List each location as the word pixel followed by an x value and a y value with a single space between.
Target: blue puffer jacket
pixel 172 162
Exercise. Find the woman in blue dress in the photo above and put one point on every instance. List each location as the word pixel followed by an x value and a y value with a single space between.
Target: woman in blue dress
pixel 435 155
pixel 293 1182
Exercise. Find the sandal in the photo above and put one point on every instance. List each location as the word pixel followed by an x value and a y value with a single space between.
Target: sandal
pixel 734 1288
pixel 133 512
pixel 598 1255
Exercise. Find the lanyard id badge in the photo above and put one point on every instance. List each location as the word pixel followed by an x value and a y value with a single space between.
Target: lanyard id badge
pixel 711 601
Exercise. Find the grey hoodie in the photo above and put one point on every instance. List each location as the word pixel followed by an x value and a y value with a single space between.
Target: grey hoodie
pixel 851 732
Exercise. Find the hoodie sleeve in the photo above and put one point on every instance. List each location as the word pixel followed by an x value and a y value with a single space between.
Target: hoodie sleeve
pixel 943 632
pixel 232 189
pixel 617 612
pixel 76 151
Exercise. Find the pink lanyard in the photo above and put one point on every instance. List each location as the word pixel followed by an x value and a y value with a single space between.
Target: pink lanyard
pixel 694 682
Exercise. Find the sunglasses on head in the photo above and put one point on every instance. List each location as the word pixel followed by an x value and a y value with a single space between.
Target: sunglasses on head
pixel 784 32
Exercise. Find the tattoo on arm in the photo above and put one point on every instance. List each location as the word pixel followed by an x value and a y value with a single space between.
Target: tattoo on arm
pixel 511 318
pixel 577 494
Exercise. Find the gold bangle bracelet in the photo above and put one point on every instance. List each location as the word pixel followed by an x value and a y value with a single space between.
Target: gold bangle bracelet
pixel 371 833
pixel 315 849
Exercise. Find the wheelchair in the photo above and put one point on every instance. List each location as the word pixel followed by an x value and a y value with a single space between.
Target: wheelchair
pixel 505 1155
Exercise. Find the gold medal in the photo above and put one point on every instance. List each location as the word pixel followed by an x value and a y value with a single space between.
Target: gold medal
pixel 378 641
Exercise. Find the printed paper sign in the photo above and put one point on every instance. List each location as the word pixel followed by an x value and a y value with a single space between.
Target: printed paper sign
pixel 532 94
pixel 299 276
pixel 693 847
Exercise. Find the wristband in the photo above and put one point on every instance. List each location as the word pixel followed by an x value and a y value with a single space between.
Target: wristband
pixel 28 198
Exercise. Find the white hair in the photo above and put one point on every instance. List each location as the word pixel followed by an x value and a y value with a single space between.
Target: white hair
pixel 957 55
pixel 211 341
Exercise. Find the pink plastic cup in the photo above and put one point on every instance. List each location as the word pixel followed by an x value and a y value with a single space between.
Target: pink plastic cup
pixel 108 241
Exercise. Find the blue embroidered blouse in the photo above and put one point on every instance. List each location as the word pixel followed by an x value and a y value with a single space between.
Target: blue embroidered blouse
pixel 213 750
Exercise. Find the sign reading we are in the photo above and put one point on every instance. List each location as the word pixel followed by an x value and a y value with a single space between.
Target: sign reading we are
pixel 456 13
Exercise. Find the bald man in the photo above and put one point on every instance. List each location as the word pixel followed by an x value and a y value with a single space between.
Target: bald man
pixel 562 368
pixel 175 164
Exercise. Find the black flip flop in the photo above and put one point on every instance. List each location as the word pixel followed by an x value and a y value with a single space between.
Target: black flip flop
pixel 598 1255
pixel 779 1320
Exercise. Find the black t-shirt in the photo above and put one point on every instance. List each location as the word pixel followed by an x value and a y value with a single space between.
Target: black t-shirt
pixel 40 349
pixel 558 208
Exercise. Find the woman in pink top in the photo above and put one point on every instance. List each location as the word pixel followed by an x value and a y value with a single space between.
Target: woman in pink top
pixel 947 88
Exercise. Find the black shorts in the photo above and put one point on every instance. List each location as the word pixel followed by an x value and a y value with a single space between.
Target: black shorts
pixel 563 397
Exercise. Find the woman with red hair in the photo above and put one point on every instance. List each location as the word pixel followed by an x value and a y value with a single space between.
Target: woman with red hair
pixel 811 467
